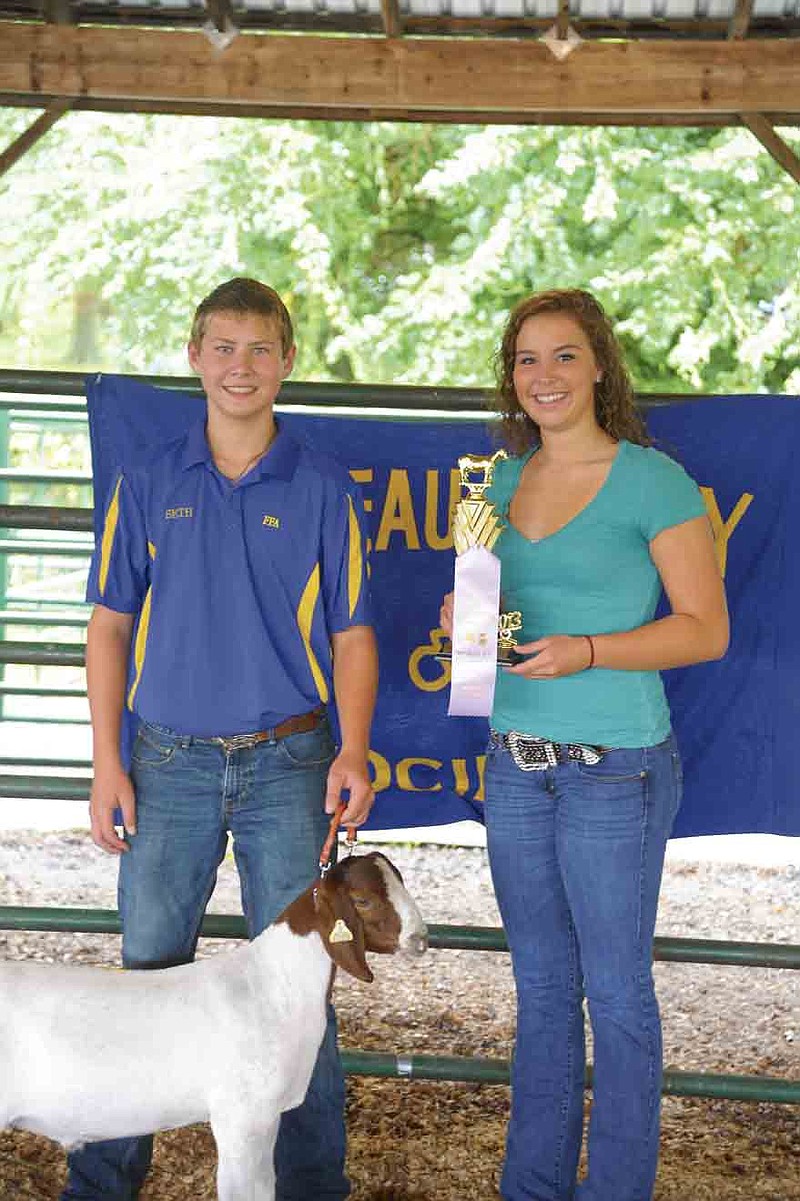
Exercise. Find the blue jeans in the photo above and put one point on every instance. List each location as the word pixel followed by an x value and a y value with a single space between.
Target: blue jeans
pixel 576 854
pixel 189 795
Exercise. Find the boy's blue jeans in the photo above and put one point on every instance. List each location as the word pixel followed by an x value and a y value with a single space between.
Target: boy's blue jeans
pixel 189 795
pixel 576 854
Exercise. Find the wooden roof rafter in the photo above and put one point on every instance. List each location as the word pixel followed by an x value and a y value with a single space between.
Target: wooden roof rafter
pixel 740 19
pixel 562 19
pixel 54 111
pixel 220 14
pixel 57 12
pixel 758 124
pixel 392 21
pixel 763 129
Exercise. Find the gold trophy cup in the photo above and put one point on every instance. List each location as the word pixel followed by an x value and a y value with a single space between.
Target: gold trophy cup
pixel 476 523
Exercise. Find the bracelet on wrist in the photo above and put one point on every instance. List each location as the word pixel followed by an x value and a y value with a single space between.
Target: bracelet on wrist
pixel 590 640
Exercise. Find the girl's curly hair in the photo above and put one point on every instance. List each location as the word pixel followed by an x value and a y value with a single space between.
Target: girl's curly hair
pixel 614 400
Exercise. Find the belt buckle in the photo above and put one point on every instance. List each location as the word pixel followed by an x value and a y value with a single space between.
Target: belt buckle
pixel 532 754
pixel 239 742
pixel 538 754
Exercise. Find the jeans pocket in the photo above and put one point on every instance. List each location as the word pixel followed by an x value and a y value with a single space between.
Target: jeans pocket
pixel 313 748
pixel 152 747
pixel 619 765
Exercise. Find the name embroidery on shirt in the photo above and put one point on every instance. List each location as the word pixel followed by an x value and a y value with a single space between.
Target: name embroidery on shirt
pixel 182 511
pixel 274 523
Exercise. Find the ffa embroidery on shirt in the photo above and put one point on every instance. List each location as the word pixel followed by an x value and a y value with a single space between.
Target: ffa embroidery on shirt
pixel 274 523
pixel 182 511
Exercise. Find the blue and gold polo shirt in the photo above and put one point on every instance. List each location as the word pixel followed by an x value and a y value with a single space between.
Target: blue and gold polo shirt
pixel 238 587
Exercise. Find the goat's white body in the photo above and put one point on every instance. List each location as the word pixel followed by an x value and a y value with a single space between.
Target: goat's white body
pixel 88 1053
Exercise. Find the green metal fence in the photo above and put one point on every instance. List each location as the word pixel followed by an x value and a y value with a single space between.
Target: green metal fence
pixel 52 778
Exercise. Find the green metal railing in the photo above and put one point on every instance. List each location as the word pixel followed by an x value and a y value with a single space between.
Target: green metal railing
pixel 402 398
pixel 46 778
pixel 717 952
pixel 481 938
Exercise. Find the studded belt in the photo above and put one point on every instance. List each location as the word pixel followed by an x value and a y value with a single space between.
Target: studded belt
pixel 537 754
pixel 293 725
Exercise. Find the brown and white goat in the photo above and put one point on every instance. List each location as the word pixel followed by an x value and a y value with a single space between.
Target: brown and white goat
pixel 87 1053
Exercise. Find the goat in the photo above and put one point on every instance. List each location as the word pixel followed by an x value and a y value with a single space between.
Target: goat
pixel 91 1054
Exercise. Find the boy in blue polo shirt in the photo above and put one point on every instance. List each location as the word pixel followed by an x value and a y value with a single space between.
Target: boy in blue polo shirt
pixel 231 606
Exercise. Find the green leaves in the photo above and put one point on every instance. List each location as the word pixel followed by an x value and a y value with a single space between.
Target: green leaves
pixel 399 248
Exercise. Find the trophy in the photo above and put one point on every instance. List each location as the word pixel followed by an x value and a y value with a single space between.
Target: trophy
pixel 482 638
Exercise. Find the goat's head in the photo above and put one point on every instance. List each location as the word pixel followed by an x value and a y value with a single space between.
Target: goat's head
pixel 362 905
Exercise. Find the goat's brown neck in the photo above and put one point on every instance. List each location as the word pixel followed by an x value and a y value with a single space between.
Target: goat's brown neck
pixel 301 916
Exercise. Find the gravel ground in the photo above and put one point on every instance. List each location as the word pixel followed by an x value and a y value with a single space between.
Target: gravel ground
pixel 416 1141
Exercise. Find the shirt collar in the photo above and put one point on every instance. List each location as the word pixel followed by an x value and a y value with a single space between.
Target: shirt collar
pixel 279 461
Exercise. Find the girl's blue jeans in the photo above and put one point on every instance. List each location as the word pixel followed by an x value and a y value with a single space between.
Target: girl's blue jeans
pixel 189 796
pixel 576 854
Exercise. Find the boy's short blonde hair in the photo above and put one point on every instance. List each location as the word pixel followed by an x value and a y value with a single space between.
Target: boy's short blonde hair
pixel 242 296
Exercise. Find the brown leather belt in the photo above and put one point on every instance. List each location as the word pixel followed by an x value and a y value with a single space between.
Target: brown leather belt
pixel 300 724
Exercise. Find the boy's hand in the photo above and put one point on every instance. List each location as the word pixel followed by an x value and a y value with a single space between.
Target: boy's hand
pixel 112 790
pixel 350 773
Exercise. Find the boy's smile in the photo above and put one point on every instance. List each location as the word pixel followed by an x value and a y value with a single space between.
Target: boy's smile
pixel 242 364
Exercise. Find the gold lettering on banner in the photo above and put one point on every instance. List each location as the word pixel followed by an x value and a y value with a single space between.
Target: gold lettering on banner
pixel 433 538
pixel 397 515
pixel 405 781
pixel 461 776
pixel 383 772
pixel 464 776
pixel 363 475
pixel 408 513
pixel 429 650
pixel 723 529
pixel 480 763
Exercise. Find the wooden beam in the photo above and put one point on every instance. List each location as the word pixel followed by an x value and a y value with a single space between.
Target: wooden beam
pixel 740 19
pixel 398 75
pixel 783 154
pixel 206 108
pixel 21 145
pixel 392 22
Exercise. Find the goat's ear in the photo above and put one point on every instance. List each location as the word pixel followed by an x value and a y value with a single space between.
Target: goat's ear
pixel 342 930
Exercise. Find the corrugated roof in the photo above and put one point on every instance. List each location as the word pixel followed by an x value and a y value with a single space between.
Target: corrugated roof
pixel 647 18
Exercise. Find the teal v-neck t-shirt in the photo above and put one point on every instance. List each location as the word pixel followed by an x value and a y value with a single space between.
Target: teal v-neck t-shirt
pixel 593 576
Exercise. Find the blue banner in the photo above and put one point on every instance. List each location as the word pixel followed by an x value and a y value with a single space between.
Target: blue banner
pixel 737 720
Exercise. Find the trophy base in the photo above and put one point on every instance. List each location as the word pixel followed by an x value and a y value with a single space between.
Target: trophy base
pixel 507 656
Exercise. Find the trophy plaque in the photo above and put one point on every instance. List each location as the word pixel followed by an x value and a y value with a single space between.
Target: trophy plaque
pixel 482 638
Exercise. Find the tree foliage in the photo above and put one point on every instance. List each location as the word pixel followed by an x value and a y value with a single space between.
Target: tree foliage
pixel 400 248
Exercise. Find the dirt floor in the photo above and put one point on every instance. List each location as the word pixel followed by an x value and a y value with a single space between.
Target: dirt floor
pixel 430 1141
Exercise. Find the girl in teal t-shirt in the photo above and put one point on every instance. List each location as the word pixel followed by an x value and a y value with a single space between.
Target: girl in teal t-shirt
pixel 583 775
